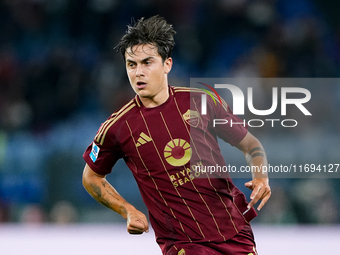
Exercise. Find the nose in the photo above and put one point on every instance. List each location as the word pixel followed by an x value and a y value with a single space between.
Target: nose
pixel 139 71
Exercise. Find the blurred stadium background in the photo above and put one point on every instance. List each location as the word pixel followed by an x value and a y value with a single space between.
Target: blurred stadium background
pixel 60 78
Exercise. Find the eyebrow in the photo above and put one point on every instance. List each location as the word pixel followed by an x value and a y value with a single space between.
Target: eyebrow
pixel 142 61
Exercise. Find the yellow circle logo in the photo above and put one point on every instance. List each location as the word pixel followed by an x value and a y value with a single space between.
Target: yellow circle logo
pixel 177 152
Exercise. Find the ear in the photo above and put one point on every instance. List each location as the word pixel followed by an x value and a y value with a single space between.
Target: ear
pixel 167 65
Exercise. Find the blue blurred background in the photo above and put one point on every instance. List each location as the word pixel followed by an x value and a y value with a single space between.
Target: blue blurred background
pixel 60 79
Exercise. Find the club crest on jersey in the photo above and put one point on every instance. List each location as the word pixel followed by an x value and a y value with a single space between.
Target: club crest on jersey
pixel 191 117
pixel 94 152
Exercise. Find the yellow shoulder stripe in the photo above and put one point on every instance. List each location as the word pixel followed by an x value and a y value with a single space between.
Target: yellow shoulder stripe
pixel 100 137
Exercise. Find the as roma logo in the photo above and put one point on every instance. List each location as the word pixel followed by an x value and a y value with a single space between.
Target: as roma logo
pixel 191 117
pixel 177 152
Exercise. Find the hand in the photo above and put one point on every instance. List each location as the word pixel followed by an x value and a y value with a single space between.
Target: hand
pixel 137 223
pixel 261 190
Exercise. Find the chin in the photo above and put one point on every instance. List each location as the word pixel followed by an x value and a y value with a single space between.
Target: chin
pixel 143 94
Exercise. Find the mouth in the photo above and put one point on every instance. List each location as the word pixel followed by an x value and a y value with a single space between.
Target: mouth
pixel 141 85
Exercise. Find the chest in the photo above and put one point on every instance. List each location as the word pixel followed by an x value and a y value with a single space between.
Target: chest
pixel 157 140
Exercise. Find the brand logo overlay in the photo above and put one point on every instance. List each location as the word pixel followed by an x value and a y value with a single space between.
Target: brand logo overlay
pixel 287 96
pixel 204 97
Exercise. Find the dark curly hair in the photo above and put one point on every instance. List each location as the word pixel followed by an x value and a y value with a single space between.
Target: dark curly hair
pixel 154 30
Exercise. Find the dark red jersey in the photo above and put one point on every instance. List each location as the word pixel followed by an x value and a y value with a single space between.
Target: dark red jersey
pixel 162 146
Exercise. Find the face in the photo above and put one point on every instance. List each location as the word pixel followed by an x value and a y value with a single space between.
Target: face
pixel 148 74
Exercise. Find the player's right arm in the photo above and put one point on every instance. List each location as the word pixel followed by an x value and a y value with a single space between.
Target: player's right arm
pixel 102 191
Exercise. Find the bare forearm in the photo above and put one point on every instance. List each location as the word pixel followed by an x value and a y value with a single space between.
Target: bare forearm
pixel 105 194
pixel 257 159
pixel 102 191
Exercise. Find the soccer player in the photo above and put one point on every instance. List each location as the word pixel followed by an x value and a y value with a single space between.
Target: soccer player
pixel 164 139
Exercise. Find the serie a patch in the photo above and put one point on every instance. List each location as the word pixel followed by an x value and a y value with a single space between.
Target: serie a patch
pixel 94 152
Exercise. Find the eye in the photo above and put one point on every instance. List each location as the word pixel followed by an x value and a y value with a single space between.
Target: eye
pixel 130 65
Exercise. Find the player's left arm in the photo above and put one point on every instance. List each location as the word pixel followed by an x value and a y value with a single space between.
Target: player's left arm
pixel 256 158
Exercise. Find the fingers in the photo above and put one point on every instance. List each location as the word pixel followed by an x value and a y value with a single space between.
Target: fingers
pixel 254 196
pixel 249 185
pixel 260 191
pixel 264 200
pixel 137 224
pixel 137 229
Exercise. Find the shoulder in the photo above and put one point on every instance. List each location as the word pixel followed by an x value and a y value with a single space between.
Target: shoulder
pixel 187 91
pixel 115 118
pixel 196 94
pixel 125 110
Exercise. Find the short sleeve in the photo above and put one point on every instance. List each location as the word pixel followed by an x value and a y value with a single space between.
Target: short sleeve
pixel 102 157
